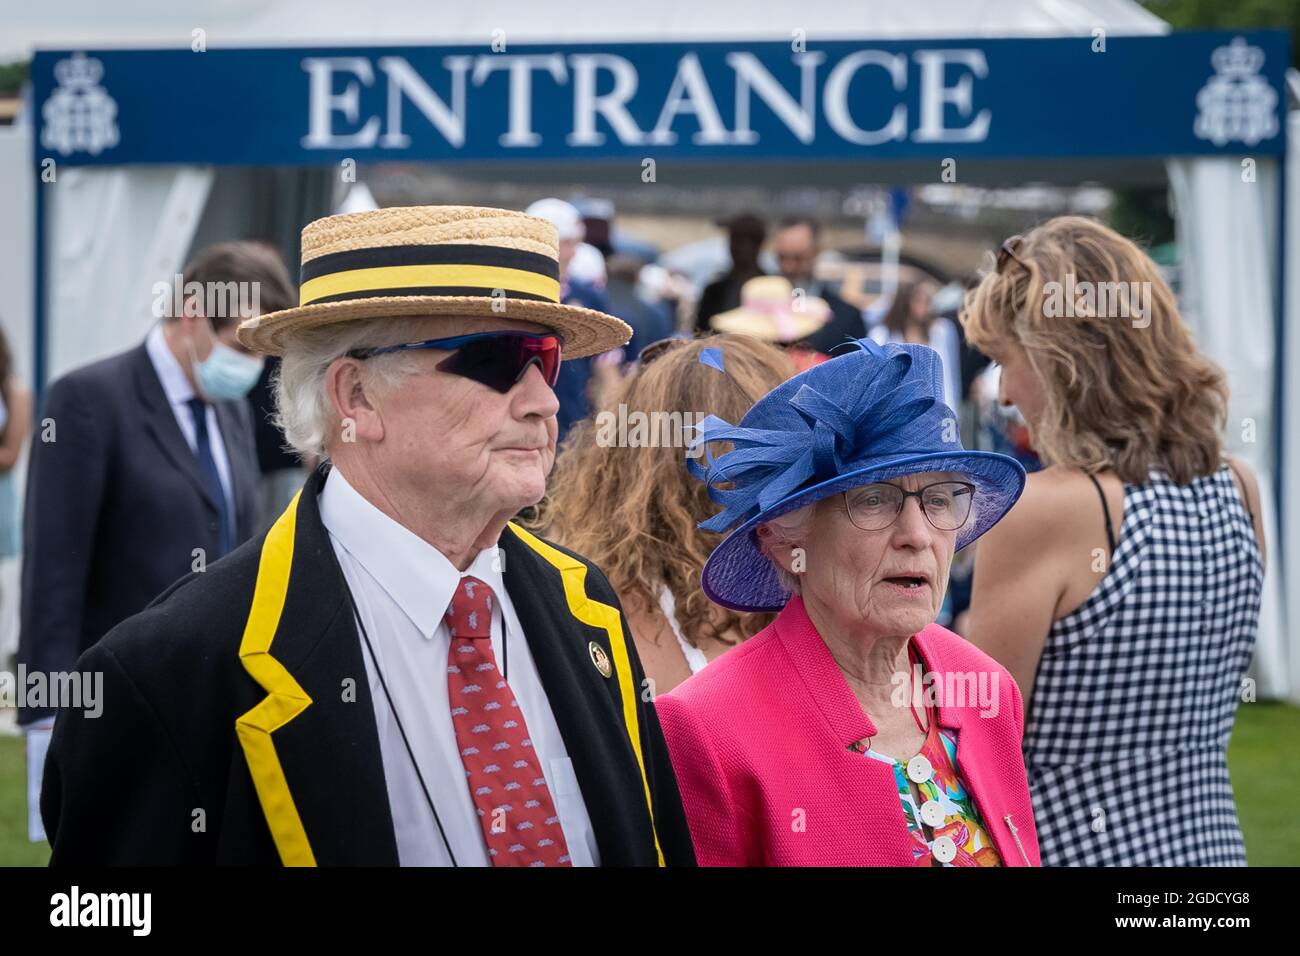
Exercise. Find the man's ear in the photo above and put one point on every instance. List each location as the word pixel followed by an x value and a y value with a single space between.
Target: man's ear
pixel 359 417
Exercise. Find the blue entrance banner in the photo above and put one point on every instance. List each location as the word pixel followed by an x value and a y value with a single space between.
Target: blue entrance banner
pixel 1177 94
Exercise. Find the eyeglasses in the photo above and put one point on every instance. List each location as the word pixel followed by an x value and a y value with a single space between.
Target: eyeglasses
pixel 1008 251
pixel 496 359
pixel 945 504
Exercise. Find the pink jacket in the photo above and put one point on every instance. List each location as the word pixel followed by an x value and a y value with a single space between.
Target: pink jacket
pixel 759 743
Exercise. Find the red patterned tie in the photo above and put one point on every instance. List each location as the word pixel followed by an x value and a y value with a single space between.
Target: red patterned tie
pixel 515 810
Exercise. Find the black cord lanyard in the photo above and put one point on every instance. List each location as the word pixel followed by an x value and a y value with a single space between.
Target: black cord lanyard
pixel 393 707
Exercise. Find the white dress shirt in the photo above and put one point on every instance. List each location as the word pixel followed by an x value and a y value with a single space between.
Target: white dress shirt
pixel 178 390
pixel 402 586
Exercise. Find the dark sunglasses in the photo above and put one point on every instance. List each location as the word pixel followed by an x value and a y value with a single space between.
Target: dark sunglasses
pixel 1008 251
pixel 496 359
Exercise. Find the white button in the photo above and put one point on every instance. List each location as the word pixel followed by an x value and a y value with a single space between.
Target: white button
pixel 944 850
pixel 919 769
pixel 932 814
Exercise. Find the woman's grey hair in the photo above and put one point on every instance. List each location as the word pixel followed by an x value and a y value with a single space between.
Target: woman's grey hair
pixel 302 404
pixel 782 533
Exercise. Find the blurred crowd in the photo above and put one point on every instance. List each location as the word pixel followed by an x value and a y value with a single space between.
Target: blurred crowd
pixel 1127 571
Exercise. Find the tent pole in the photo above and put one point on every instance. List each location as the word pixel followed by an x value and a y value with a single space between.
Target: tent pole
pixel 39 311
pixel 1279 339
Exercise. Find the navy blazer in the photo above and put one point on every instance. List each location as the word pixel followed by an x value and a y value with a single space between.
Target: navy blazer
pixel 845 324
pixel 215 701
pixel 116 506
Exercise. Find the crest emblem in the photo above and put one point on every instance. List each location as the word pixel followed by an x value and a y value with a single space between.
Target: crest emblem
pixel 600 659
pixel 1236 104
pixel 80 116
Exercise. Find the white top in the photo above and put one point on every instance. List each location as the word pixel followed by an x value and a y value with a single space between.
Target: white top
pixel 695 658
pixel 944 340
pixel 402 586
pixel 178 390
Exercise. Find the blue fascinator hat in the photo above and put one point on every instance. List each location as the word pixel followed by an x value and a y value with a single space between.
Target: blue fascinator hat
pixel 868 415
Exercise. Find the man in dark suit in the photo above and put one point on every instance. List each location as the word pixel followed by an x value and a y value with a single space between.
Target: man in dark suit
pixel 146 469
pixel 745 236
pixel 396 672
pixel 797 244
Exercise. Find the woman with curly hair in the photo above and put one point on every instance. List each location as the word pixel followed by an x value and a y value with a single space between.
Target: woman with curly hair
pixel 632 506
pixel 1123 590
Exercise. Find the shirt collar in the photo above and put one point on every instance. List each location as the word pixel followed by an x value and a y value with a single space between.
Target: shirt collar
pixel 175 385
pixel 415 574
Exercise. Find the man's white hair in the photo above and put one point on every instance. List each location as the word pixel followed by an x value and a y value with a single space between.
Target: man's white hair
pixel 302 403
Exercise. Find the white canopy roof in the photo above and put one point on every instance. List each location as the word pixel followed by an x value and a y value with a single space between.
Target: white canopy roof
pixel 89 23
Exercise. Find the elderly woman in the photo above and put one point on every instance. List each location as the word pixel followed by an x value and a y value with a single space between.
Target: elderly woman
pixel 853 730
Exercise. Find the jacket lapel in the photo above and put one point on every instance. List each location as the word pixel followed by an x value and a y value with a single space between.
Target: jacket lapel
pixel 587 705
pixel 821 676
pixel 312 744
pixel 984 782
pixel 160 422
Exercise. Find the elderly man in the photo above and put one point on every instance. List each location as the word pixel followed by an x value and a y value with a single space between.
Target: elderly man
pixel 395 672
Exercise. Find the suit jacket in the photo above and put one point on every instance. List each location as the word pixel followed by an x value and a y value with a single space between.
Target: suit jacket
pixel 845 323
pixel 239 698
pixel 718 296
pixel 760 741
pixel 116 505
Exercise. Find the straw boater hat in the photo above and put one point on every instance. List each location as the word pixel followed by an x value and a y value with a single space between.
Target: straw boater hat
pixel 433 260
pixel 768 311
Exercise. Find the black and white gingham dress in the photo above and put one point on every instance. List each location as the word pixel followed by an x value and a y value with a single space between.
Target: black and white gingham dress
pixel 1127 733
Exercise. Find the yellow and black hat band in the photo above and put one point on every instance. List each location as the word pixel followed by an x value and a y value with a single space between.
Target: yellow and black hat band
pixel 450 269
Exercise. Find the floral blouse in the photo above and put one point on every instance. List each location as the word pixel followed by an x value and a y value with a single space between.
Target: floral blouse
pixel 944 807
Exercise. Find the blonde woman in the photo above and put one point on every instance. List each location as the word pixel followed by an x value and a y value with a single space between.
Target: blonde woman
pixel 15 427
pixel 1123 590
pixel 633 509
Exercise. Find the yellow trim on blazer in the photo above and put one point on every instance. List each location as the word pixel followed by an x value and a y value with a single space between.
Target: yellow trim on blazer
pixel 285 700
pixel 590 611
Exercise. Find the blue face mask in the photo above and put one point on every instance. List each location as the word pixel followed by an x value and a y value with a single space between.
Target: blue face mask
pixel 226 375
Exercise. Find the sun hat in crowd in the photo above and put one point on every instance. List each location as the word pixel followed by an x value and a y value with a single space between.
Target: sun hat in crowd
pixel 770 311
pixel 433 260
pixel 870 414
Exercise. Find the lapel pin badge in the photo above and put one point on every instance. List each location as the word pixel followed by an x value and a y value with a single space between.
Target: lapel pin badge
pixel 600 659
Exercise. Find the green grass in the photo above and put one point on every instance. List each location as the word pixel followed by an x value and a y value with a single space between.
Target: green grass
pixel 15 848
pixel 1262 758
